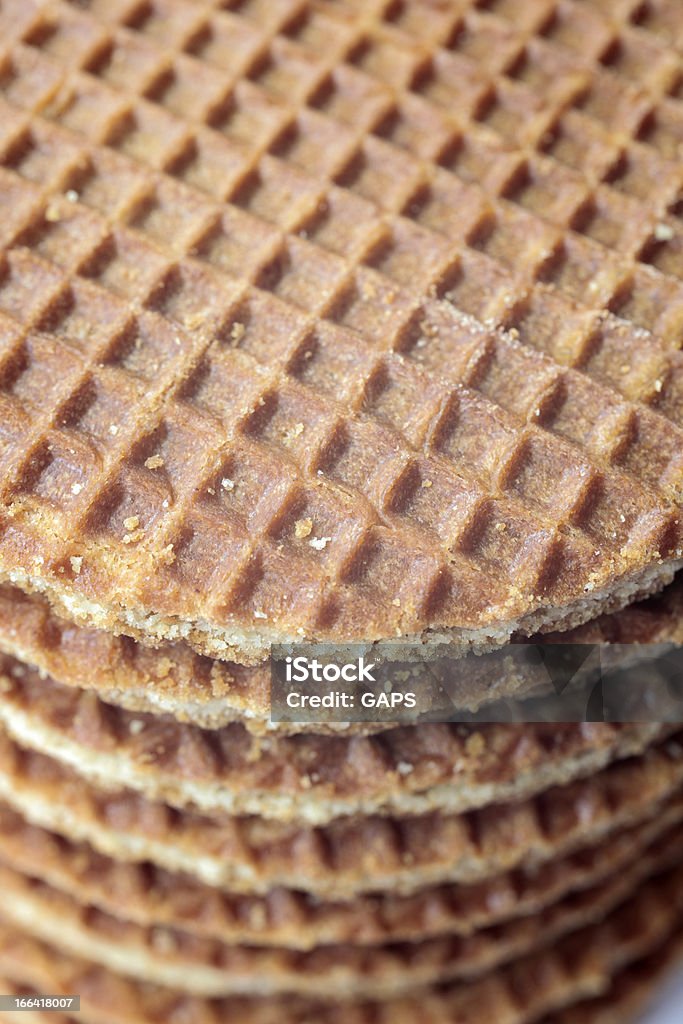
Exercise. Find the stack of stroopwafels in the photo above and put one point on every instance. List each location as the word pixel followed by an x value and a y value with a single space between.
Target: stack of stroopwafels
pixel 334 321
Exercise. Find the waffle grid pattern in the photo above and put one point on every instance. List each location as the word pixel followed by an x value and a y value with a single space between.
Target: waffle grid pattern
pixel 350 972
pixel 581 966
pixel 396 772
pixel 222 229
pixel 292 919
pixel 349 856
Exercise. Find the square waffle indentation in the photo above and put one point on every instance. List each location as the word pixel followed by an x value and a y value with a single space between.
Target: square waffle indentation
pixel 322 525
pixel 194 297
pixel 436 498
pixel 341 222
pixel 27 285
pixel 278 194
pixel 20 206
pixel 84 316
pixel 35 154
pixel 266 328
pixel 147 348
pixel 228 42
pixel 57 473
pixel 286 73
pixel 651 301
pixel 224 384
pixel 417 126
pixel 333 359
pixel 481 287
pixel 207 550
pixel 41 371
pixel 99 409
pixel 29 80
pixel 410 256
pixel 450 207
pixel 357 451
pixel 368 302
pixel 66 236
pixel 548 476
pixel 473 433
pixel 576 141
pixel 66 37
pixel 352 97
pixel 409 578
pixel 126 62
pixel 168 22
pixel 651 449
pixel 390 397
pixel 125 265
pixel 210 163
pixel 170 214
pixel 514 378
pixel 147 134
pixel 303 276
pixel 90 109
pixel 380 174
pixel 188 89
pixel 176 447
pixel 502 544
pixel 293 421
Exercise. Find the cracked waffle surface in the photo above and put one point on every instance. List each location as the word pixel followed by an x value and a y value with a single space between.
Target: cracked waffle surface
pixel 351 855
pixel 577 967
pixel 346 973
pixel 294 920
pixel 238 246
pixel 310 779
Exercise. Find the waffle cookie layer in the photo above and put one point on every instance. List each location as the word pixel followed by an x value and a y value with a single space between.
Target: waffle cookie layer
pixel 175 680
pixel 350 856
pixel 301 340
pixel 312 779
pixel 629 991
pixel 578 966
pixel 295 920
pixel 344 973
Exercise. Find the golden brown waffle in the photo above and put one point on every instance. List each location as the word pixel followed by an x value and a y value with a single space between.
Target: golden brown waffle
pixel 285 917
pixel 175 680
pixel 351 855
pixel 579 966
pixel 630 992
pixel 347 973
pixel 337 321
pixel 656 620
pixel 171 678
pixel 630 989
pixel 311 779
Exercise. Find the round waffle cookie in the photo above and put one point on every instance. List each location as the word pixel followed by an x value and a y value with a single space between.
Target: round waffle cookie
pixel 317 324
pixel 345 973
pixel 348 856
pixel 579 966
pixel 173 679
pixel 339 321
pixel 296 920
pixel 312 779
